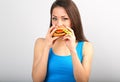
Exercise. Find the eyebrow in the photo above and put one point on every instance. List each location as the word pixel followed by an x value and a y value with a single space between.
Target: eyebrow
pixel 54 15
pixel 61 16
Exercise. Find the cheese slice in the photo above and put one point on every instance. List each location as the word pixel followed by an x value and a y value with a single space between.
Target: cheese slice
pixel 66 31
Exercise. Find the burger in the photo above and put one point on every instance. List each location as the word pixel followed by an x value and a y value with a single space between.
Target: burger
pixel 61 31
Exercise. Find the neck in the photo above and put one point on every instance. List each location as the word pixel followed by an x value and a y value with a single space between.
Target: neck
pixel 60 47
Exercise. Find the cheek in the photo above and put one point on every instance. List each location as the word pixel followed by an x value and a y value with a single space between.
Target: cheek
pixel 54 22
pixel 68 24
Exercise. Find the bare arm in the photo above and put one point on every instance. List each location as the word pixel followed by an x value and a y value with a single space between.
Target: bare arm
pixel 41 53
pixel 82 70
pixel 40 61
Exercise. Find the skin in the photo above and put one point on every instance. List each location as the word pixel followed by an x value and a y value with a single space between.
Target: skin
pixel 62 46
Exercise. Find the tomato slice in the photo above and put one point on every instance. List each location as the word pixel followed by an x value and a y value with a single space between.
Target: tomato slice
pixel 59 30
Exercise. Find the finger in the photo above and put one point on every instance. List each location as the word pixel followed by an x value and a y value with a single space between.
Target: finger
pixel 71 30
pixel 53 31
pixel 66 37
pixel 51 28
pixel 54 39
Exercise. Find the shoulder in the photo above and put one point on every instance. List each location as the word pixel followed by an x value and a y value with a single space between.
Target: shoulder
pixel 87 48
pixel 38 47
pixel 88 44
pixel 39 42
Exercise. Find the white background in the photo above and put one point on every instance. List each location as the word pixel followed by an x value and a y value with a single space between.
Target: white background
pixel 23 21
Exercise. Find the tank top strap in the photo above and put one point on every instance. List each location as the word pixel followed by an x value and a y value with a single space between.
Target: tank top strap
pixel 50 52
pixel 79 49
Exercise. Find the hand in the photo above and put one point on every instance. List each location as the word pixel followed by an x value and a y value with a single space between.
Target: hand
pixel 49 40
pixel 70 40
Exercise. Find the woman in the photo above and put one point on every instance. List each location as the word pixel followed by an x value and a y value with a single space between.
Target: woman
pixel 67 58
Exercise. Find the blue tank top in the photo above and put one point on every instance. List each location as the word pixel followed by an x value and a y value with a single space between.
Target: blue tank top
pixel 60 68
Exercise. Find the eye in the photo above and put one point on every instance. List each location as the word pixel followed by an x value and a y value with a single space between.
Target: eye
pixel 65 18
pixel 54 18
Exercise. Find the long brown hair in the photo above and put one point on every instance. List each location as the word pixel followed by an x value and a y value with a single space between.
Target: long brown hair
pixel 74 16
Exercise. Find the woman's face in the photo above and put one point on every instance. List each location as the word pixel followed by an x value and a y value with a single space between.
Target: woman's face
pixel 60 17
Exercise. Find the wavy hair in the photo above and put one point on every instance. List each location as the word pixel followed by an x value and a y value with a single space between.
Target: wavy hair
pixel 74 15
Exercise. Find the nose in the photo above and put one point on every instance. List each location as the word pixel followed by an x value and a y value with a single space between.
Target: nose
pixel 59 23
